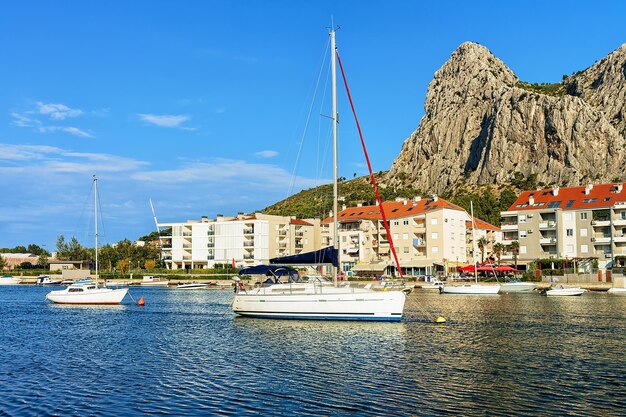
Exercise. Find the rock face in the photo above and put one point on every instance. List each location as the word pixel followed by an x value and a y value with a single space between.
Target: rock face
pixel 483 125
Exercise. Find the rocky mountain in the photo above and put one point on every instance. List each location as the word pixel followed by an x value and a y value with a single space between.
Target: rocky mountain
pixel 482 125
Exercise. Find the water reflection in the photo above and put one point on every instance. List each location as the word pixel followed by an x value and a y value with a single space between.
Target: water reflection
pixel 185 353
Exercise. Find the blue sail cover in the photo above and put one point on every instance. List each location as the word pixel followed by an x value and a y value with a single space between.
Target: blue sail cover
pixel 328 255
pixel 266 270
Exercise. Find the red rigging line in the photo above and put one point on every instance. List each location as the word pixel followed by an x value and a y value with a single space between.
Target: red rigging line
pixel 369 166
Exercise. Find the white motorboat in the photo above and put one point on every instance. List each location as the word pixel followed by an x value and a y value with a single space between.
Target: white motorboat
pixel 432 285
pixel 617 291
pixel 46 280
pixel 470 289
pixel 560 290
pixel 9 280
pixel 154 281
pixel 517 286
pixel 194 286
pixel 86 291
pixel 313 300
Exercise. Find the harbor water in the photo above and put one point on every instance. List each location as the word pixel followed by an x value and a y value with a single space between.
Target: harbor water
pixel 184 353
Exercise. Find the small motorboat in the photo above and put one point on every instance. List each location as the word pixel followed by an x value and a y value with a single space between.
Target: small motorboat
pixel 617 291
pixel 9 280
pixel 435 284
pixel 194 286
pixel 560 290
pixel 46 280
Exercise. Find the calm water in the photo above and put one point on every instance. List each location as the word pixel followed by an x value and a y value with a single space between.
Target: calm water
pixel 185 354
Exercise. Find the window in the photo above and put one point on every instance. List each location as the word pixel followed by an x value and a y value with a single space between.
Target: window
pixel 395 236
pixel 434 235
pixel 405 236
pixel 433 221
pixel 435 249
pixel 343 239
pixel 569 249
pixel 554 204
pixel 523 250
pixel 623 215
pixel 522 218
pixel 583 215
pixel 569 232
pixel 452 249
pixel 522 233
pixel 405 222
pixel 396 223
pixel 405 249
pixel 584 248
pixel 583 232
pixel 569 203
pixel 568 217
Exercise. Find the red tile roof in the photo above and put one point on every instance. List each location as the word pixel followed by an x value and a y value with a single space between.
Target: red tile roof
pixel 393 210
pixel 481 224
pixel 571 198
pixel 300 222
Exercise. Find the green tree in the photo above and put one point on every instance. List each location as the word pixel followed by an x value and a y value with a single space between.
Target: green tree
pixel 43 259
pixel 123 265
pixel 515 250
pixel 498 250
pixel 3 262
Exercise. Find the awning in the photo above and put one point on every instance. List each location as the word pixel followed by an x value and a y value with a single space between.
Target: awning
pixel 370 267
pixel 416 263
pixel 353 250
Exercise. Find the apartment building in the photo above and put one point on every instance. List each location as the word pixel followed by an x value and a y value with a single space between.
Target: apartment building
pixel 427 234
pixel 491 234
pixel 586 223
pixel 246 239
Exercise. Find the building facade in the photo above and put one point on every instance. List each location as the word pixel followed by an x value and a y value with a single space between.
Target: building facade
pixel 428 234
pixel 244 239
pixel 585 223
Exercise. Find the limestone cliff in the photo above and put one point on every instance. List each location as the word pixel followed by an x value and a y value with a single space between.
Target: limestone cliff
pixel 483 125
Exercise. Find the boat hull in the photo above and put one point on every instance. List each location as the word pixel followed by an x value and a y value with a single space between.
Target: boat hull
pixel 558 292
pixel 194 286
pixel 99 296
pixel 617 291
pixel 470 289
pixel 8 280
pixel 324 305
pixel 509 287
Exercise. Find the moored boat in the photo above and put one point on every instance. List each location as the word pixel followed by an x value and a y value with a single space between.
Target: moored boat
pixel 517 286
pixel 46 280
pixel 9 280
pixel 562 291
pixel 617 291
pixel 470 289
pixel 194 286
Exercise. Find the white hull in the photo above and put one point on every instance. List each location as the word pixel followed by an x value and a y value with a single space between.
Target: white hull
pixel 305 301
pixel 470 289
pixel 155 283
pixel 193 286
pixel 88 296
pixel 564 291
pixel 617 291
pixel 9 280
pixel 517 287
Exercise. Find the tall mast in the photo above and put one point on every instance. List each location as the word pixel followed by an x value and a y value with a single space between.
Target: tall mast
pixel 95 215
pixel 333 60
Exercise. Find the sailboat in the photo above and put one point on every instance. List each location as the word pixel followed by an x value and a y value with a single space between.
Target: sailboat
pixel 87 291
pixel 312 299
pixel 475 288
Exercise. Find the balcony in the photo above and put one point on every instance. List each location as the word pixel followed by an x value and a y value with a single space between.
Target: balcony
pixel 508 226
pixel 601 222
pixel 299 234
pixel 248 257
pixel 248 244
pixel 547 241
pixel 601 240
pixel 281 233
pixel 551 224
pixel 618 221
pixel 249 231
pixel 619 238
pixel 418 243
pixel 210 232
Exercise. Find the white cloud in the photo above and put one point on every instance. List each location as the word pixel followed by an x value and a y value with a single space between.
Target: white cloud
pixel 57 111
pixel 24 121
pixel 164 120
pixel 266 154
pixel 71 130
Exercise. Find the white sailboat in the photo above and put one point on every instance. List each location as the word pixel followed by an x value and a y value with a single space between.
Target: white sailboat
pixel 475 288
pixel 9 280
pixel 87 291
pixel 312 300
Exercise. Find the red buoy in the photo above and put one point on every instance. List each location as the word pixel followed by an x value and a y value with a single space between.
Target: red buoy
pixel 141 301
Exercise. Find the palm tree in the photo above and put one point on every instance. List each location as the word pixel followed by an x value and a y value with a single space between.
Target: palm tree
pixel 514 248
pixel 498 250
pixel 482 245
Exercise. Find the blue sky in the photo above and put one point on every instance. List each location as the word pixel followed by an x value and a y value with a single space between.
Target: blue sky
pixel 201 105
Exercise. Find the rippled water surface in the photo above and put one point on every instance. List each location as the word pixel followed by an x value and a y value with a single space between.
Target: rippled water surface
pixel 184 353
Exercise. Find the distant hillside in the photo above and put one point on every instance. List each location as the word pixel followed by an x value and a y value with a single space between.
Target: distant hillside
pixel 488 201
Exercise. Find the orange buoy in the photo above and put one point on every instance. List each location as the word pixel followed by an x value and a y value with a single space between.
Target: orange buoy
pixel 141 301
